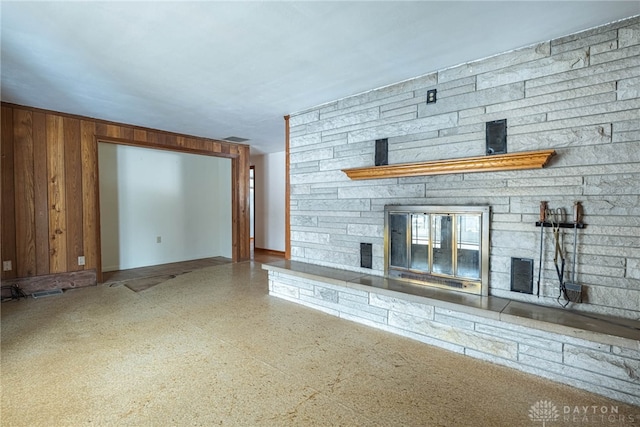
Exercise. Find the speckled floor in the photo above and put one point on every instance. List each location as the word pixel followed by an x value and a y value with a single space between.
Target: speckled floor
pixel 210 347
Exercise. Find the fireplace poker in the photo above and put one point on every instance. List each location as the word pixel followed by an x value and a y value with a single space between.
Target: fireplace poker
pixel 543 217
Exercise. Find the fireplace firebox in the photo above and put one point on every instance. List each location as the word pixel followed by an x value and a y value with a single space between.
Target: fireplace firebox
pixel 441 246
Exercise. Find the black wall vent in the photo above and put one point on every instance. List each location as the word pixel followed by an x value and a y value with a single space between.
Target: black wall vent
pixel 366 255
pixel 522 275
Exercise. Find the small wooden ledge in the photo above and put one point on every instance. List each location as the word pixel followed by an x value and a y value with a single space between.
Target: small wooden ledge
pixel 489 163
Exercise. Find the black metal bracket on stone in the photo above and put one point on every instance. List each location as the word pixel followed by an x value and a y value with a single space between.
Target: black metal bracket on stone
pixel 561 225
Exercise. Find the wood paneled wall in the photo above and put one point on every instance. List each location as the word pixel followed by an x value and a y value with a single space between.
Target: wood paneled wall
pixel 50 203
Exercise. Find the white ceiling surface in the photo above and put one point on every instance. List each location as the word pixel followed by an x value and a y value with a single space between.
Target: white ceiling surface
pixel 220 69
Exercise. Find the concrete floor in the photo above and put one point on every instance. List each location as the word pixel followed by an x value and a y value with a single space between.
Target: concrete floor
pixel 210 347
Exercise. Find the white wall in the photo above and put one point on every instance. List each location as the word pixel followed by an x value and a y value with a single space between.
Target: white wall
pixel 270 200
pixel 184 199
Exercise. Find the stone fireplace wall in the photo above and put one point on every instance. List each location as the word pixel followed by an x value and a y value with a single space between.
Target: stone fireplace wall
pixel 579 95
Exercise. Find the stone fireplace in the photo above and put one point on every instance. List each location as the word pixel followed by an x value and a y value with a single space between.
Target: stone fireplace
pixel 441 246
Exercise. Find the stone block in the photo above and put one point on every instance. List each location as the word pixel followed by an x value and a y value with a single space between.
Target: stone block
pixel 403 111
pixel 594 361
pixel 589 109
pixel 612 184
pixel 311 155
pixel 582 42
pixel 399 305
pixel 296 120
pixel 478 98
pixel 344 120
pixel 629 89
pixel 409 190
pixel 519 73
pixel 369 103
pixel 456 322
pixel 325 294
pixel 614 55
pixel 633 268
pixel 403 127
pixel 491 345
pixel 285 290
pixel 560 138
pixel 304 140
pixel 367 230
pixel 629 36
pixel 315 177
pixel 519 56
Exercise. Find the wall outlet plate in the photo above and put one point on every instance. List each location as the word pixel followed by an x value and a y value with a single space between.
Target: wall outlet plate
pixel 6 266
pixel 81 260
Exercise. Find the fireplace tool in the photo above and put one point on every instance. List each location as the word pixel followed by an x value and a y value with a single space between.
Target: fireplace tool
pixel 543 218
pixel 556 218
pixel 573 290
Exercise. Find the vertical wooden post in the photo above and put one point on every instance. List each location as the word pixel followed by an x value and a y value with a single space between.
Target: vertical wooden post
pixel 287 203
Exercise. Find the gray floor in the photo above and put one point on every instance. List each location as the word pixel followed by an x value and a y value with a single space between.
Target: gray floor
pixel 210 347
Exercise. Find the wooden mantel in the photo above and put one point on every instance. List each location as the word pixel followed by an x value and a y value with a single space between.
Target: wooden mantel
pixel 489 163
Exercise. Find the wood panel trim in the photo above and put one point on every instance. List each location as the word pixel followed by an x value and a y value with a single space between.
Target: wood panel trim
pixel 494 163
pixel 160 135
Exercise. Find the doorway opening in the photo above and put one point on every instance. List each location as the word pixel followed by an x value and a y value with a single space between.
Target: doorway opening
pixel 159 206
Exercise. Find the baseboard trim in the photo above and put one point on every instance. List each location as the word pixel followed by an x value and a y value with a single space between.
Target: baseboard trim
pixel 269 252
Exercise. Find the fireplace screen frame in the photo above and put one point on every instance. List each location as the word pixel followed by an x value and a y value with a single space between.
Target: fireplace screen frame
pixel 430 276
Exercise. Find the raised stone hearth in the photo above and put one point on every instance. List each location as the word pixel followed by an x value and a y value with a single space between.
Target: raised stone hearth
pixel 598 354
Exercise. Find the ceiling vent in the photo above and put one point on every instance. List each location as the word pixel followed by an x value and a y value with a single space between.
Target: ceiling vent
pixel 235 139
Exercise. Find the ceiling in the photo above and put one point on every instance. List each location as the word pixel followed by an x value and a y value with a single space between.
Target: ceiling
pixel 220 69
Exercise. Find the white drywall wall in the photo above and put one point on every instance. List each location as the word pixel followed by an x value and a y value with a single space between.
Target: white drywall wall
pixel 146 194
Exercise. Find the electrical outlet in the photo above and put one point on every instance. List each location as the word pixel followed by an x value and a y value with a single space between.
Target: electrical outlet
pixel 6 266
pixel 81 260
pixel 159 239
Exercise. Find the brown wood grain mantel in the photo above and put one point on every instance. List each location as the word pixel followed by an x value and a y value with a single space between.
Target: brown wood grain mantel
pixel 492 163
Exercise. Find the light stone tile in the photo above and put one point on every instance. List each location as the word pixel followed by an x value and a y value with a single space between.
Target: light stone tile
pixel 373 103
pixel 560 138
pixel 456 322
pixel 574 122
pixel 335 205
pixel 344 120
pixel 401 305
pixel 422 338
pixel 403 127
pixel 285 290
pixel 595 109
pixel 310 302
pixel 627 352
pixel 365 230
pixel 629 36
pixel 603 47
pixel 304 118
pixel 553 98
pixel 301 236
pixel 519 73
pixel 409 190
pixel 594 74
pixel 594 361
pixel 522 335
pixel 311 155
pixel 304 140
pixel 612 184
pixel 389 91
pixel 524 55
pixel 403 111
pixel 325 294
pixel 541 353
pixel 629 89
pixel 348 296
pixel 633 268
pixel 479 98
pixel 582 42
pixel 533 367
pixel 491 345
pixel 622 52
